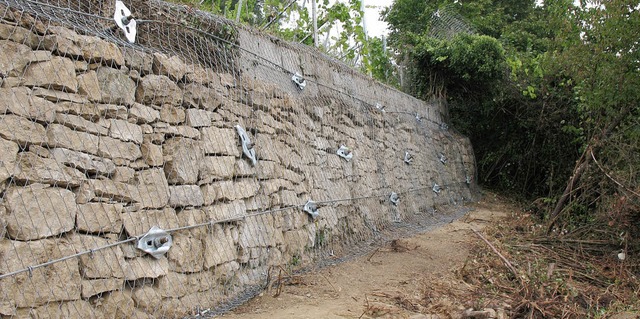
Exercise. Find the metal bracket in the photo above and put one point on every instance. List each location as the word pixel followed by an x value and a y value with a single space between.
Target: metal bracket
pixel 436 188
pixel 299 81
pixel 311 208
pixel 418 117
pixel 156 242
pixel 442 158
pixel 408 158
pixel 125 21
pixel 247 145
pixel 380 107
pixel 394 198
pixel 467 179
pixel 345 153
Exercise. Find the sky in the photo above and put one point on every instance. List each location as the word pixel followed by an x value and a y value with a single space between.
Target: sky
pixel 375 27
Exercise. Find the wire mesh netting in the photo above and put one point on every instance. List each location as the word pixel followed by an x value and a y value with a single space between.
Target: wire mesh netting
pixel 173 176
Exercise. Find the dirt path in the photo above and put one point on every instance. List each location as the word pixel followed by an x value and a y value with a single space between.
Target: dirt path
pixel 384 283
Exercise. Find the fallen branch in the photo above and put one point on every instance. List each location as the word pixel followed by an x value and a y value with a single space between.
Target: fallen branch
pixel 505 260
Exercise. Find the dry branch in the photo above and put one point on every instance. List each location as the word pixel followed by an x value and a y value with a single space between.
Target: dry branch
pixel 505 260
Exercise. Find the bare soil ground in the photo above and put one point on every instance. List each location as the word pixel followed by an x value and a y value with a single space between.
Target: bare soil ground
pixel 497 261
pixel 390 282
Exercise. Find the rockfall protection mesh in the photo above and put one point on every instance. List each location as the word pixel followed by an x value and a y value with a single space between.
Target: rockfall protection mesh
pixel 102 139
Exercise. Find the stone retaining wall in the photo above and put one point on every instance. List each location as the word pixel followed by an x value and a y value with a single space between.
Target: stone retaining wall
pixel 99 142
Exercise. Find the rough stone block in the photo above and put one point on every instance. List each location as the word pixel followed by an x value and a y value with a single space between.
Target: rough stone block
pixel 96 50
pixel 148 299
pixel 226 211
pixel 112 111
pixel 185 195
pixel 172 66
pixel 103 263
pixel 8 156
pixel 152 154
pixel 80 123
pixel 139 222
pixel 118 150
pixel 216 168
pixel 34 169
pixel 112 190
pixel 19 35
pixel 182 158
pixel 58 96
pixel 138 60
pixel 146 267
pixel 186 253
pixel 115 86
pixel 58 73
pixel 39 287
pixel 258 231
pixel 20 102
pixel 117 304
pixel 219 247
pixel 87 163
pixel 172 114
pixel 13 58
pixel 220 141
pixel 158 90
pixel 37 211
pixel 22 131
pixel 143 114
pixel 99 218
pixel 178 131
pixel 201 97
pixel 125 131
pixel 153 188
pixel 197 118
pixel 70 309
pixel 236 189
pixel 197 74
pixel 62 41
pixel 89 86
pixel 94 287
pixel 62 136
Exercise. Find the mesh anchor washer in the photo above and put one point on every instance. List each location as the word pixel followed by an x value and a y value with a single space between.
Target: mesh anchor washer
pixel 311 208
pixel 156 242
pixel 247 145
pixel 443 159
pixel 408 158
pixel 436 188
pixel 125 21
pixel 345 153
pixel 394 198
pixel 299 81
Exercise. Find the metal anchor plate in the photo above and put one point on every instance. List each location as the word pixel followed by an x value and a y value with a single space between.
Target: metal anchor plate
pixel 156 242
pixel 299 81
pixel 408 158
pixel 311 208
pixel 436 188
pixel 394 198
pixel 123 19
pixel 247 146
pixel 442 158
pixel 444 126
pixel 345 153
pixel 467 179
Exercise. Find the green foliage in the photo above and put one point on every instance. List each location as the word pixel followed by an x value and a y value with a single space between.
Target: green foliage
pixel 466 64
pixel 534 89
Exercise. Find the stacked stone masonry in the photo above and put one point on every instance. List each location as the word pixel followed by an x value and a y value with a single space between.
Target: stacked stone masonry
pixel 100 142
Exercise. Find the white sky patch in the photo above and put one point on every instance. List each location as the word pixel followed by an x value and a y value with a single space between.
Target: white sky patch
pixel 375 26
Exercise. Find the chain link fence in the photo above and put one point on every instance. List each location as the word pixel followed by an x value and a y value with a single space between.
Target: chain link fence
pixel 173 175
